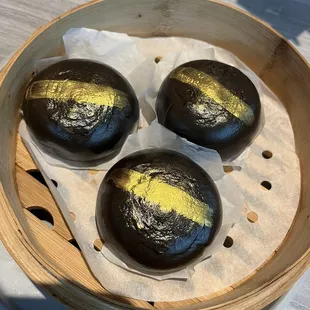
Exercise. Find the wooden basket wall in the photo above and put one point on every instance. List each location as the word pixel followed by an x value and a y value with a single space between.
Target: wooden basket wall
pixel 50 257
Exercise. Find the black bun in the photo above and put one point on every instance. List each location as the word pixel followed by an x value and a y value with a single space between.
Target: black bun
pixel 80 110
pixel 211 104
pixel 157 210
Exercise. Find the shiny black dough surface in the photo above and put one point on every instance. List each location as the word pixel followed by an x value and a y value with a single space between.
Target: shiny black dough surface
pixel 210 124
pixel 138 230
pixel 80 131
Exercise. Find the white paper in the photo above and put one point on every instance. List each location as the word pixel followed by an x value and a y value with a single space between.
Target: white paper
pixel 151 137
pixel 252 244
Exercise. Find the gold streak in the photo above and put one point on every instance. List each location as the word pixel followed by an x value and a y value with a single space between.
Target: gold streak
pixel 168 197
pixel 215 91
pixel 80 92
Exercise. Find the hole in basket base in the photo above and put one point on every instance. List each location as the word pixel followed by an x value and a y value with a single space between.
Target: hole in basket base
pixel 43 215
pixel 151 303
pixel 252 217
pixel 98 244
pixel 73 216
pixel 39 177
pixel 228 242
pixel 75 244
pixel 267 154
pixel 93 172
pixel 266 184
pixel 158 59
pixel 230 169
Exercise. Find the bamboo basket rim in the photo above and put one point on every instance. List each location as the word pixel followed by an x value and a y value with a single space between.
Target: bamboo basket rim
pixel 260 297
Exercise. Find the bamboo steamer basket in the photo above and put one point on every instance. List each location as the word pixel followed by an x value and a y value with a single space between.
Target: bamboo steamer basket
pixel 48 256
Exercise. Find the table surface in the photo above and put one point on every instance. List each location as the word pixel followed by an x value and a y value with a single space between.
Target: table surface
pixel 20 18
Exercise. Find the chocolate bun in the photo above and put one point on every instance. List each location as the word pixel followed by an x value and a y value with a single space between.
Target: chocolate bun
pixel 211 104
pixel 157 210
pixel 80 110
